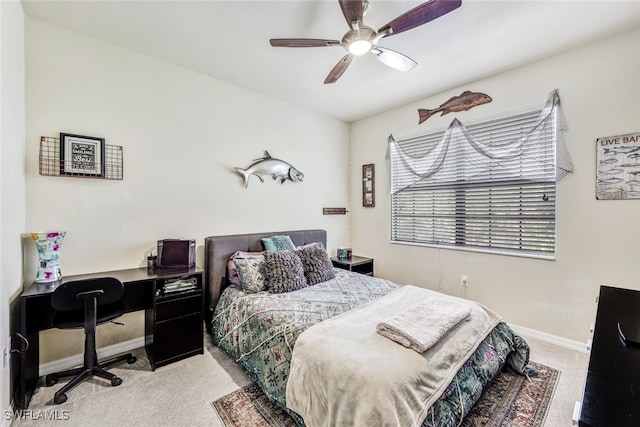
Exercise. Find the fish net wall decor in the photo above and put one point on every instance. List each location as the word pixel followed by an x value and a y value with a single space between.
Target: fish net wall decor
pixel 528 146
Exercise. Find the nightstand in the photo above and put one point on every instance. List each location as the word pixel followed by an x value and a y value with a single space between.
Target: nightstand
pixel 357 264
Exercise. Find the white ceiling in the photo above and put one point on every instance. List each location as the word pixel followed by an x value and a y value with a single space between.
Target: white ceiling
pixel 229 40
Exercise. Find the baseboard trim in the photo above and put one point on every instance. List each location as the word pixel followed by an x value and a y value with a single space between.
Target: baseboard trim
pixel 549 338
pixel 78 359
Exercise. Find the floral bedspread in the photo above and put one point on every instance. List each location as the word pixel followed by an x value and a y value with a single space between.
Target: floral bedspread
pixel 260 329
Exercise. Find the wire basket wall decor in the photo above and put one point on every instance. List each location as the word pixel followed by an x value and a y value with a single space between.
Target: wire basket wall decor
pixel 52 164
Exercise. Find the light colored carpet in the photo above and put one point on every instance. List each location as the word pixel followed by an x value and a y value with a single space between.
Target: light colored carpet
pixel 573 368
pixel 180 394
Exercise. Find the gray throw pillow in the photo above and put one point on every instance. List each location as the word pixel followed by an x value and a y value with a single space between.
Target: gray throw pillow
pixel 284 272
pixel 316 263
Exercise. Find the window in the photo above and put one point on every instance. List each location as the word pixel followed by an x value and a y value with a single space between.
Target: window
pixel 489 187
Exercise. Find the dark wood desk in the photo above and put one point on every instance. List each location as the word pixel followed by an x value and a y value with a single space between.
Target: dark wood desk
pixel 612 388
pixel 143 290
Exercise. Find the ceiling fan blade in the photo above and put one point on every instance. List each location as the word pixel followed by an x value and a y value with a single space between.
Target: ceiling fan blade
pixel 393 59
pixel 420 15
pixel 352 11
pixel 303 42
pixel 339 69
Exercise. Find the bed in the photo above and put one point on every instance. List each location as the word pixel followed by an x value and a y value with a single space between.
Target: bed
pixel 260 330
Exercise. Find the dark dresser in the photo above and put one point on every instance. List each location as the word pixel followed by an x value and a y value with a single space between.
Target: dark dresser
pixel 612 388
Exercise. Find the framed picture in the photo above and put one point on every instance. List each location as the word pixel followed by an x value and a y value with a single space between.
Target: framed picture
pixel 617 167
pixel 81 155
pixel 368 186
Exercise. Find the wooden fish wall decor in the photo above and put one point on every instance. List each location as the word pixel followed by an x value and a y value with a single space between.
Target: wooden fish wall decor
pixel 267 165
pixel 463 102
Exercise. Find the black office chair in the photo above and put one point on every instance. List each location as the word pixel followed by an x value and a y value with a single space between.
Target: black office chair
pixel 85 304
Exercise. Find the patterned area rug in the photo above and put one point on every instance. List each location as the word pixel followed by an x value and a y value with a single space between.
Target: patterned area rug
pixel 515 400
pixel 511 400
pixel 249 407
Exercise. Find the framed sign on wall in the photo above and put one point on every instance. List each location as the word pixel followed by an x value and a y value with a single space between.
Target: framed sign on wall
pixel 368 185
pixel 81 155
pixel 618 167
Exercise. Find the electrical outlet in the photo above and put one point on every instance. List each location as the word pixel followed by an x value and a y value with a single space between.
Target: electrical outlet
pixel 464 281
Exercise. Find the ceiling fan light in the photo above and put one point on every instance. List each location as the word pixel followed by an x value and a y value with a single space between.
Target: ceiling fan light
pixel 360 47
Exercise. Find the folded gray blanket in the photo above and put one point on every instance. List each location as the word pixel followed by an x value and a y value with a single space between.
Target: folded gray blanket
pixel 421 326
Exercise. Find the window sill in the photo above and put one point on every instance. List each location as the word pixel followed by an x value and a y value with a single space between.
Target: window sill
pixel 544 257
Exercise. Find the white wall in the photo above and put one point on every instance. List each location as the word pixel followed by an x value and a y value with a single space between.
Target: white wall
pixel 597 241
pixel 181 133
pixel 12 182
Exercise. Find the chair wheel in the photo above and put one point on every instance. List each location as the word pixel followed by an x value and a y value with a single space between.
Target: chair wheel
pixel 131 360
pixel 116 381
pixel 50 380
pixel 58 399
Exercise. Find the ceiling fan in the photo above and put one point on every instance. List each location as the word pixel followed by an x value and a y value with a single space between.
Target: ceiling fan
pixel 361 39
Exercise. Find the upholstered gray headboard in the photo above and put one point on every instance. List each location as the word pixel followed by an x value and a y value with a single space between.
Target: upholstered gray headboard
pixel 218 249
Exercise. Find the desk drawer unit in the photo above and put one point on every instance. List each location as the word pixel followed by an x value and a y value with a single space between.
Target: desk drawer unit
pixel 174 327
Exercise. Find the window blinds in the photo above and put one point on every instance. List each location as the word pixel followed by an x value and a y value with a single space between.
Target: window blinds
pixel 489 186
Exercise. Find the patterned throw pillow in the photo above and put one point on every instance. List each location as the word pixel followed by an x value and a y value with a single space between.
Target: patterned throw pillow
pixel 278 244
pixel 284 272
pixel 251 272
pixel 232 270
pixel 316 263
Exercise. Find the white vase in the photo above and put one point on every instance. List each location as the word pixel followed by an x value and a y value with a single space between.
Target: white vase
pixel 48 245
